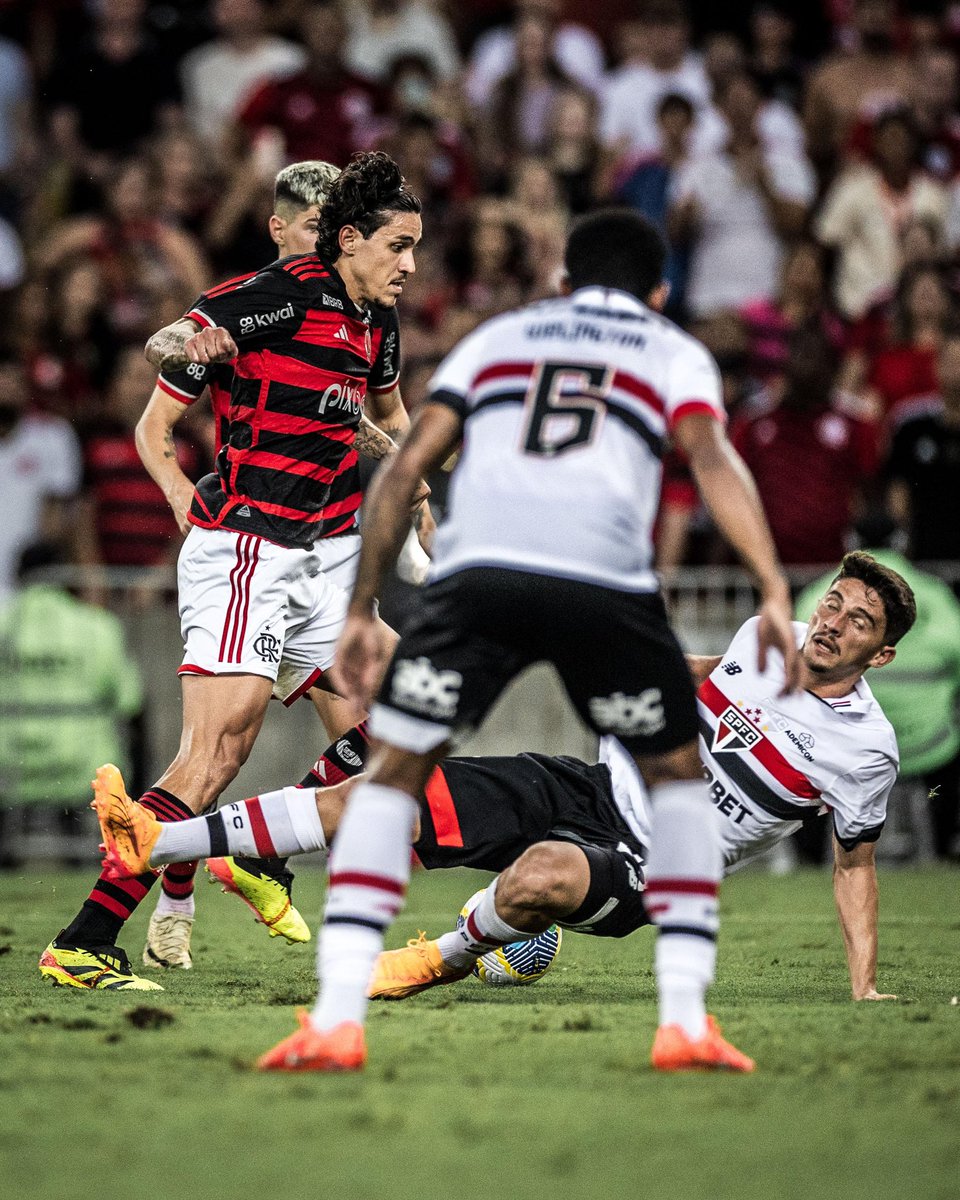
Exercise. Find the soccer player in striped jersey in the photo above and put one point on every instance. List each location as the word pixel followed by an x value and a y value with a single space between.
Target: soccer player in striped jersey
pixel 573 838
pixel 563 409
pixel 309 333
pixel 299 192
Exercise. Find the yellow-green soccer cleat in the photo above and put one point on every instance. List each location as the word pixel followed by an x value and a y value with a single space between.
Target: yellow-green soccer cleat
pixel 267 896
pixel 99 968
pixel 168 942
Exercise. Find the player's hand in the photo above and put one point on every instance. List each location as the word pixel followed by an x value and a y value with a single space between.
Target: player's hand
pixel 362 654
pixel 873 994
pixel 211 345
pixel 180 499
pixel 776 633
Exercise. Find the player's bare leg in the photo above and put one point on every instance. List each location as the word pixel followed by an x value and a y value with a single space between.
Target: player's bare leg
pixel 683 876
pixel 221 718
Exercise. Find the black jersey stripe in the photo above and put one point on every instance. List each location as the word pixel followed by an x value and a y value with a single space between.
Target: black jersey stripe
pixel 654 441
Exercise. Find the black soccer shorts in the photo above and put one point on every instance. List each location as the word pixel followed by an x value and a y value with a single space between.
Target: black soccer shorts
pixel 485 812
pixel 615 652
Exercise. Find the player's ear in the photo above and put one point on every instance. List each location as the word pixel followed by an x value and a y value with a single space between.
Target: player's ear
pixel 657 300
pixel 349 238
pixel 883 656
pixel 277 225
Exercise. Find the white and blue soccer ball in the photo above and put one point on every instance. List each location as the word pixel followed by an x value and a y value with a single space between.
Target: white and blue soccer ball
pixel 518 962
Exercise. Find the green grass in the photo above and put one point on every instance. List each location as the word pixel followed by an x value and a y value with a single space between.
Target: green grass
pixel 476 1092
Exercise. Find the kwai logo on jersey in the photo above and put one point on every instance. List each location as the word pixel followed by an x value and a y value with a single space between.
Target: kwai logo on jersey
pixel 630 715
pixel 734 733
pixel 417 684
pixel 265 320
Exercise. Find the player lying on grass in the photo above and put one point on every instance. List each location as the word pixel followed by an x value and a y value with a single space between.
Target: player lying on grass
pixel 569 839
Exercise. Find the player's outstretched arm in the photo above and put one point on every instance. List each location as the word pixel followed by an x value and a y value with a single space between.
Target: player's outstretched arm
pixel 185 342
pixel 434 432
pixel 155 445
pixel 731 496
pixel 856 894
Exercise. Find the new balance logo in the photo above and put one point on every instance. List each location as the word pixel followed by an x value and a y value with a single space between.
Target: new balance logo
pixel 418 685
pixel 732 668
pixel 341 335
pixel 629 715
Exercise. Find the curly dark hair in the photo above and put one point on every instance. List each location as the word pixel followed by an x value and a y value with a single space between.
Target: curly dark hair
pixel 366 193
pixel 896 595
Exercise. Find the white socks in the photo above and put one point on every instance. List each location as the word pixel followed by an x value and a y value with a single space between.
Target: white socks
pixel 168 904
pixel 683 875
pixel 369 869
pixel 274 825
pixel 482 931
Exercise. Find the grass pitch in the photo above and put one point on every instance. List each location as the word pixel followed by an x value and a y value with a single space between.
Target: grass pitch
pixel 478 1092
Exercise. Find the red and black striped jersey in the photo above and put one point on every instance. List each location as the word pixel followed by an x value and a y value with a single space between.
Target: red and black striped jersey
pixel 188 384
pixel 307 357
pixel 134 524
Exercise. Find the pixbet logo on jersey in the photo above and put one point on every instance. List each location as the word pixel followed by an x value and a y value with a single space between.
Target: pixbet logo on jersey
pixel 265 320
pixel 348 396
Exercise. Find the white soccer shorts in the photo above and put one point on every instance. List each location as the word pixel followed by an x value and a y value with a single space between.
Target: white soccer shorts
pixel 248 606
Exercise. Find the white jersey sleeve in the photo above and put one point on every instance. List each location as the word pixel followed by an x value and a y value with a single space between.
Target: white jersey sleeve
pixel 858 800
pixel 453 381
pixel 693 384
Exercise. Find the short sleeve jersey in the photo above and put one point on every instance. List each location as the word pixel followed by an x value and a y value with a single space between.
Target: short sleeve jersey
pixel 567 406
pixel 307 356
pixel 771 761
pixel 774 760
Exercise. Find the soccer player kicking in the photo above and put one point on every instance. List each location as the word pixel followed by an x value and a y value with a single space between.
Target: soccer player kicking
pixel 545 554
pixel 306 334
pixel 570 840
pixel 300 190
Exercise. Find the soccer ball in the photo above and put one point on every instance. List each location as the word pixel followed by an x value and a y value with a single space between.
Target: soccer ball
pixel 518 962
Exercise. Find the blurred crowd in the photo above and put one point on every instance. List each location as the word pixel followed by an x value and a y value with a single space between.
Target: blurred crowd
pixel 804 169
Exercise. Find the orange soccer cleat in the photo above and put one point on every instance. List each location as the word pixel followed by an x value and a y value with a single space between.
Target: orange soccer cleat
pixel 129 830
pixel 675 1050
pixel 342 1048
pixel 411 969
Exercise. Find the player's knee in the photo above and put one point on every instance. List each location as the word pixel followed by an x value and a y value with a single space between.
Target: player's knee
pixel 538 882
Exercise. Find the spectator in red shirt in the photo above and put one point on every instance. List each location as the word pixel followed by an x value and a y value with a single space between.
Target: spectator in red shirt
pixel 808 456
pixel 322 112
pixel 125 519
pixel 907 369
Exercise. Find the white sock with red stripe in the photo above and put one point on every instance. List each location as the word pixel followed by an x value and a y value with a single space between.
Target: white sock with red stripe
pixel 273 825
pixel 683 875
pixel 369 870
pixel 482 931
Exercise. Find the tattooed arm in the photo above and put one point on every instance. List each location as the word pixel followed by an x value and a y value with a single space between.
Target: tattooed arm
pixel 159 454
pixel 183 342
pixel 378 437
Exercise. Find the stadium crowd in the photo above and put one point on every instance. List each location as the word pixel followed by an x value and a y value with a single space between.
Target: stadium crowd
pixel 805 172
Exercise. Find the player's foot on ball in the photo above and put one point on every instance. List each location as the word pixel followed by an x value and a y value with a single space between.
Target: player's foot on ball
pixel 168 942
pixel 267 896
pixel 411 969
pixel 675 1050
pixel 342 1048
pixel 99 968
pixel 129 830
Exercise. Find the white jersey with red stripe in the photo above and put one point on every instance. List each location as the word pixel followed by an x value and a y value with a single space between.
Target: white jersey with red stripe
pixel 567 405
pixel 773 760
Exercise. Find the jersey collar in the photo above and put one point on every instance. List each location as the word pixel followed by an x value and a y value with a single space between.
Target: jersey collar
pixel 608 298
pixel 336 285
